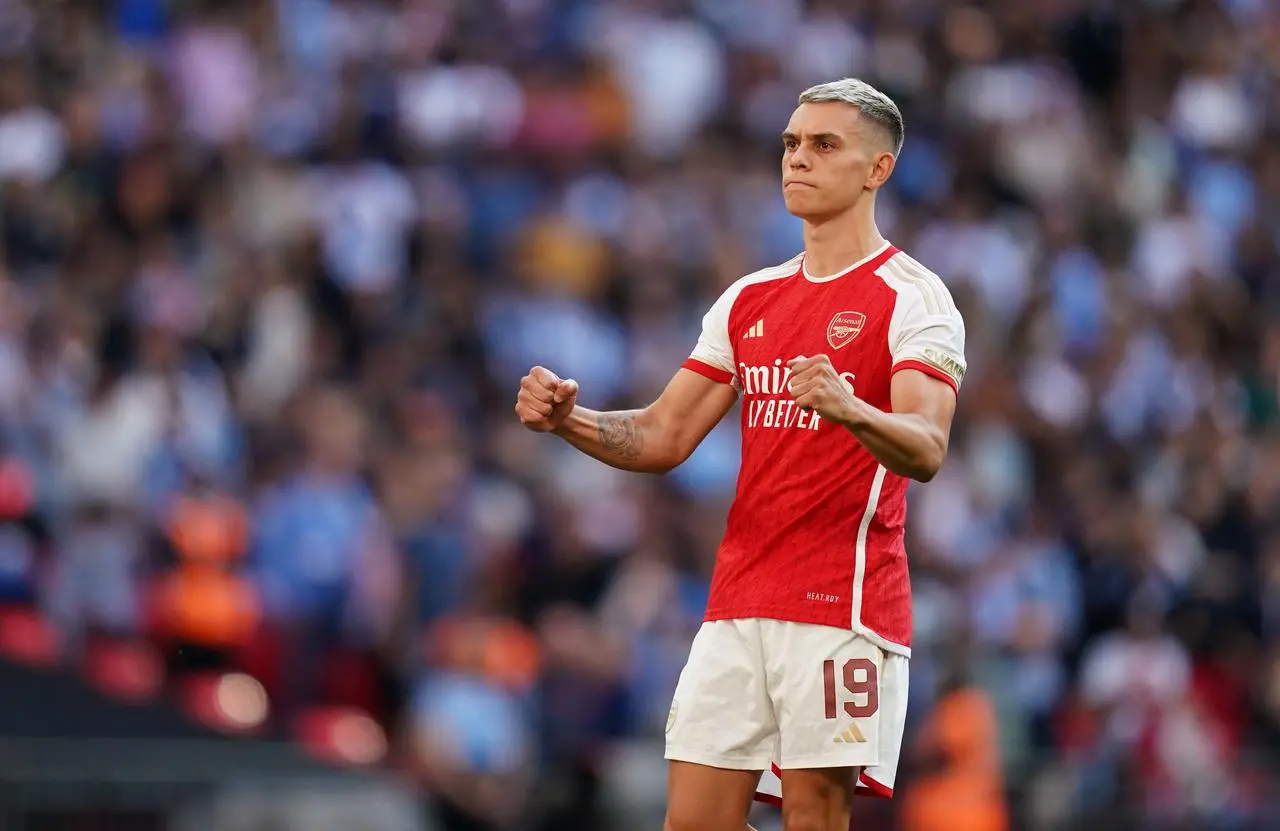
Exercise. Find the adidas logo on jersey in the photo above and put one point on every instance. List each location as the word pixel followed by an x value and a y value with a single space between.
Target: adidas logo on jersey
pixel 850 735
pixel 756 330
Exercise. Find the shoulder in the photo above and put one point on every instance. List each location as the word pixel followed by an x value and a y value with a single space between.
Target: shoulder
pixel 916 286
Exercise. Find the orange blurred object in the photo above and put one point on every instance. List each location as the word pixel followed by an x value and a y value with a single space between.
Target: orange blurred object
pixel 500 650
pixel 967 793
pixel 511 655
pixel 208 529
pixel 203 600
pixel 200 603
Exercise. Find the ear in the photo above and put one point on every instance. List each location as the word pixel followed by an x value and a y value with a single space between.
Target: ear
pixel 882 165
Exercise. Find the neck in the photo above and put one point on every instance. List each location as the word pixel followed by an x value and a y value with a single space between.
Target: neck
pixel 835 243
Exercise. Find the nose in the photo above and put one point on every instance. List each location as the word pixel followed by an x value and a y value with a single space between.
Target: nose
pixel 799 159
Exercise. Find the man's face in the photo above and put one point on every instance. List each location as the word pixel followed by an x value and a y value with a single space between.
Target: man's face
pixel 831 156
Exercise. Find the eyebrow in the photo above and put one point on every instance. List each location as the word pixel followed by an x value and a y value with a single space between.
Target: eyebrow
pixel 831 137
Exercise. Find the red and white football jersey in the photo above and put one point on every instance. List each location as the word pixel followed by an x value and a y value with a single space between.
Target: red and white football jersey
pixel 815 533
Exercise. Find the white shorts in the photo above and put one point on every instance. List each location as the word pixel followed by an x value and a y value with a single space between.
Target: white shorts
pixel 772 695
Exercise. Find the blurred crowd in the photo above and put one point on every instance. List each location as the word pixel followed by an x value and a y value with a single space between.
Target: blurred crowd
pixel 272 270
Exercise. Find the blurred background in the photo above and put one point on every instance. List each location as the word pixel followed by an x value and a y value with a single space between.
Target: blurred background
pixel 275 554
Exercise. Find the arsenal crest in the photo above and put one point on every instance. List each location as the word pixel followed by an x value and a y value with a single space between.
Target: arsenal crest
pixel 844 328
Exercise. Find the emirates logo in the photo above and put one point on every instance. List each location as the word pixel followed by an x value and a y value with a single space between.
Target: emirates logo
pixel 844 328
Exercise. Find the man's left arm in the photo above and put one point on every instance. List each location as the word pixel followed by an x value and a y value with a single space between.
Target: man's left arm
pixel 910 441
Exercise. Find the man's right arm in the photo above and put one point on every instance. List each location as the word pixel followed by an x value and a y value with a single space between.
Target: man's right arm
pixel 659 437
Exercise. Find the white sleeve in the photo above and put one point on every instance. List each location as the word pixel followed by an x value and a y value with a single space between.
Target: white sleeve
pixel 713 354
pixel 927 334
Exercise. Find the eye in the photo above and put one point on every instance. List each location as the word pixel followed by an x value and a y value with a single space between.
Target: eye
pixel 825 145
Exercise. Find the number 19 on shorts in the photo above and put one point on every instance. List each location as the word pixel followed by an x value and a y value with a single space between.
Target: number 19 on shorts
pixel 861 688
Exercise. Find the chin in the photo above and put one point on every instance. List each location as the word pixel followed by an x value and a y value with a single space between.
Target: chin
pixel 812 207
pixel 796 203
pixel 799 208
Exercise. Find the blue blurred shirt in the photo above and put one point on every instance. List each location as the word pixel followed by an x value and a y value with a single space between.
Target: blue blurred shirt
pixel 484 728
pixel 309 533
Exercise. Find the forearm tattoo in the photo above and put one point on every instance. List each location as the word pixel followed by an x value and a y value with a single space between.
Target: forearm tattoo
pixel 619 434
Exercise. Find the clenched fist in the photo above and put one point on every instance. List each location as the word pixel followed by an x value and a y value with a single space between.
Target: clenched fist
pixel 544 400
pixel 816 386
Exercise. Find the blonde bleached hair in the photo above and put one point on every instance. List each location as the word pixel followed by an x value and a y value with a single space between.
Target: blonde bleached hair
pixel 866 99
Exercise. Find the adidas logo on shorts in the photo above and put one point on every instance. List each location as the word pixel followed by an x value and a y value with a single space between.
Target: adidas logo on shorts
pixel 850 735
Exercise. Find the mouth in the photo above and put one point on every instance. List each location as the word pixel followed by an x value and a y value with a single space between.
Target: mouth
pixel 796 185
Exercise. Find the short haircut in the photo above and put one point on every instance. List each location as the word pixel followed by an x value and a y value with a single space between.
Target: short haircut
pixel 868 100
